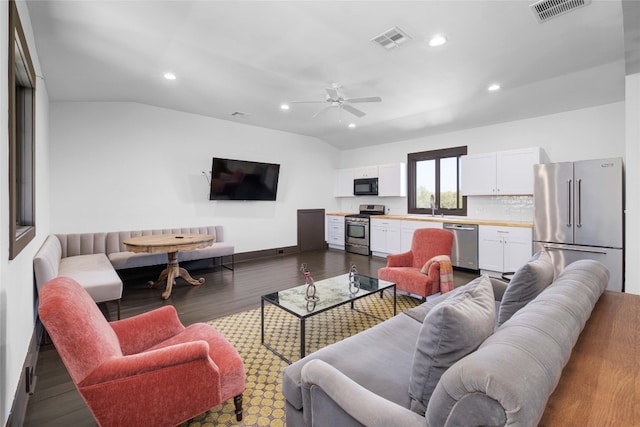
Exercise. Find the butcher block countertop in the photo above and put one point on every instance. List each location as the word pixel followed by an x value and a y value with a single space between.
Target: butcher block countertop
pixel 453 220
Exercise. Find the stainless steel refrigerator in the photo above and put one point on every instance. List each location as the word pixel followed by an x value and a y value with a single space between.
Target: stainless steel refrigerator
pixel 579 214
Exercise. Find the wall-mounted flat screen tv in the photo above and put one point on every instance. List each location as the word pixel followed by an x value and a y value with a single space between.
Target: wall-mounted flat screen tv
pixel 243 180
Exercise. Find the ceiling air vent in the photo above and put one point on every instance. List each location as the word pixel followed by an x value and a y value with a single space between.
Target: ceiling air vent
pixel 547 9
pixel 392 38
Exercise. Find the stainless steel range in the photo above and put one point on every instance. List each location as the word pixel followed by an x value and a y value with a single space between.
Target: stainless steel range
pixel 356 236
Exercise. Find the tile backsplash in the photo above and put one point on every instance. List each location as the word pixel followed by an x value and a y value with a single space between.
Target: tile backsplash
pixel 511 208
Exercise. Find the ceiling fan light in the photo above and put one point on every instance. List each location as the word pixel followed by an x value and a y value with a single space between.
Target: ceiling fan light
pixel 437 40
pixel 284 107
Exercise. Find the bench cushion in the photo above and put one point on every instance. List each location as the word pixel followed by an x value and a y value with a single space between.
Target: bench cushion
pixel 216 250
pixel 95 273
pixel 122 260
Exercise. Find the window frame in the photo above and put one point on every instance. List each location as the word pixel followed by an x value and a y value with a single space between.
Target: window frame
pixel 412 159
pixel 21 129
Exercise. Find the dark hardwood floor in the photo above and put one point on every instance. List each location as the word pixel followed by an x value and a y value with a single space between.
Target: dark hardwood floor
pixel 56 402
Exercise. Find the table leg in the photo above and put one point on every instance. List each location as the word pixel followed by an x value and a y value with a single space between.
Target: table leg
pixel 160 279
pixel 172 273
pixel 394 300
pixel 186 276
pixel 261 321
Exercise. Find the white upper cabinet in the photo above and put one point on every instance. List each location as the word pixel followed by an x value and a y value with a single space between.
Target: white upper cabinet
pixel 502 173
pixel 478 174
pixel 365 172
pixel 343 184
pixel 392 180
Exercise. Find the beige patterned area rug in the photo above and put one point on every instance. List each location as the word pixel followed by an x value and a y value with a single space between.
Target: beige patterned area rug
pixel 263 402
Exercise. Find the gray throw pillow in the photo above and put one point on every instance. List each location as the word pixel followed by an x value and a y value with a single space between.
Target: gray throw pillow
pixel 450 331
pixel 526 284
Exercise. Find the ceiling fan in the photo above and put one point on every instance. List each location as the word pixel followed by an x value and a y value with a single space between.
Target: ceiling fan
pixel 336 99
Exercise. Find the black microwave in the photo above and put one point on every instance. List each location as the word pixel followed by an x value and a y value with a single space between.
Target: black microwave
pixel 365 187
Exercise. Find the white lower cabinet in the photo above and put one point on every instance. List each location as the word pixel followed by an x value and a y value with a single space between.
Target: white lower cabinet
pixel 335 231
pixel 384 236
pixel 407 229
pixel 503 249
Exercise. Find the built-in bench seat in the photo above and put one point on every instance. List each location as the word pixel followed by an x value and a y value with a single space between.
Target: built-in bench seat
pixel 92 259
pixel 122 259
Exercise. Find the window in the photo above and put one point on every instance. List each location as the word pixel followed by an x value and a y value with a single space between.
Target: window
pixel 22 84
pixel 434 182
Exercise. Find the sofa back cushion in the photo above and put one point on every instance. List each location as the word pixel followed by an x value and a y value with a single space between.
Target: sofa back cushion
pixel 46 262
pixel 510 378
pixel 527 283
pixel 82 244
pixel 452 329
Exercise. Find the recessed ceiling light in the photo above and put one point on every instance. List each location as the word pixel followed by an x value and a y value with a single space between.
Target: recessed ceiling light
pixel 493 87
pixel 352 125
pixel 284 107
pixel 437 40
pixel 169 76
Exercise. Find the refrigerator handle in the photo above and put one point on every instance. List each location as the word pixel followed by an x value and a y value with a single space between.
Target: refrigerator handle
pixel 579 203
pixel 569 203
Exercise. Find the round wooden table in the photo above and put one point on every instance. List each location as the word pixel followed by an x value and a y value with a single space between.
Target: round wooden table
pixel 171 244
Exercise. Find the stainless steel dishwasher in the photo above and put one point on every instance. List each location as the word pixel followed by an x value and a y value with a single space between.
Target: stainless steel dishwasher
pixel 464 253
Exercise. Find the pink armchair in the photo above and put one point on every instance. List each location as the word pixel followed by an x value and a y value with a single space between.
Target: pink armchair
pixel 404 269
pixel 144 370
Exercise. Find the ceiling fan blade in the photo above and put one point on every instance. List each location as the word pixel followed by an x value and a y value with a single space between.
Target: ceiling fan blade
pixel 332 92
pixel 353 110
pixel 306 102
pixel 365 99
pixel 321 111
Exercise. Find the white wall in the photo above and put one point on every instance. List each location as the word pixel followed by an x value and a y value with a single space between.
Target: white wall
pixel 16 276
pixel 632 241
pixel 588 133
pixel 122 166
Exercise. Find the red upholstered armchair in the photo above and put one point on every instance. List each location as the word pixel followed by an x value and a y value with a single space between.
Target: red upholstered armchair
pixel 144 370
pixel 404 269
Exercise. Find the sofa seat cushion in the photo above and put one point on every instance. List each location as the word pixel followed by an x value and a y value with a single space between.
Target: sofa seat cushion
pixel 452 329
pixel 385 349
pixel 527 283
pixel 95 273
pixel 122 260
pixel 216 250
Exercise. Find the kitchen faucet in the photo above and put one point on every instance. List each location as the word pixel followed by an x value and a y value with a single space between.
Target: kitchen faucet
pixel 433 205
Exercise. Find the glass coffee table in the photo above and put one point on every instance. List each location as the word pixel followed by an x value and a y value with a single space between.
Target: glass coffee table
pixel 333 292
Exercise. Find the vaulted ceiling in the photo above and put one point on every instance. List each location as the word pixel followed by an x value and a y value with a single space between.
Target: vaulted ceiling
pixel 249 57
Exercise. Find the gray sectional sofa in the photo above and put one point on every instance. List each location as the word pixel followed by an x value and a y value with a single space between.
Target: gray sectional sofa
pixel 92 259
pixel 486 354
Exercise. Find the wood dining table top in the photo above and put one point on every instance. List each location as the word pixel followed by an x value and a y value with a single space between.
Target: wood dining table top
pixel 168 242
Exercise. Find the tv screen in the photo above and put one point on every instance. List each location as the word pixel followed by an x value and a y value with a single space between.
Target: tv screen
pixel 243 180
